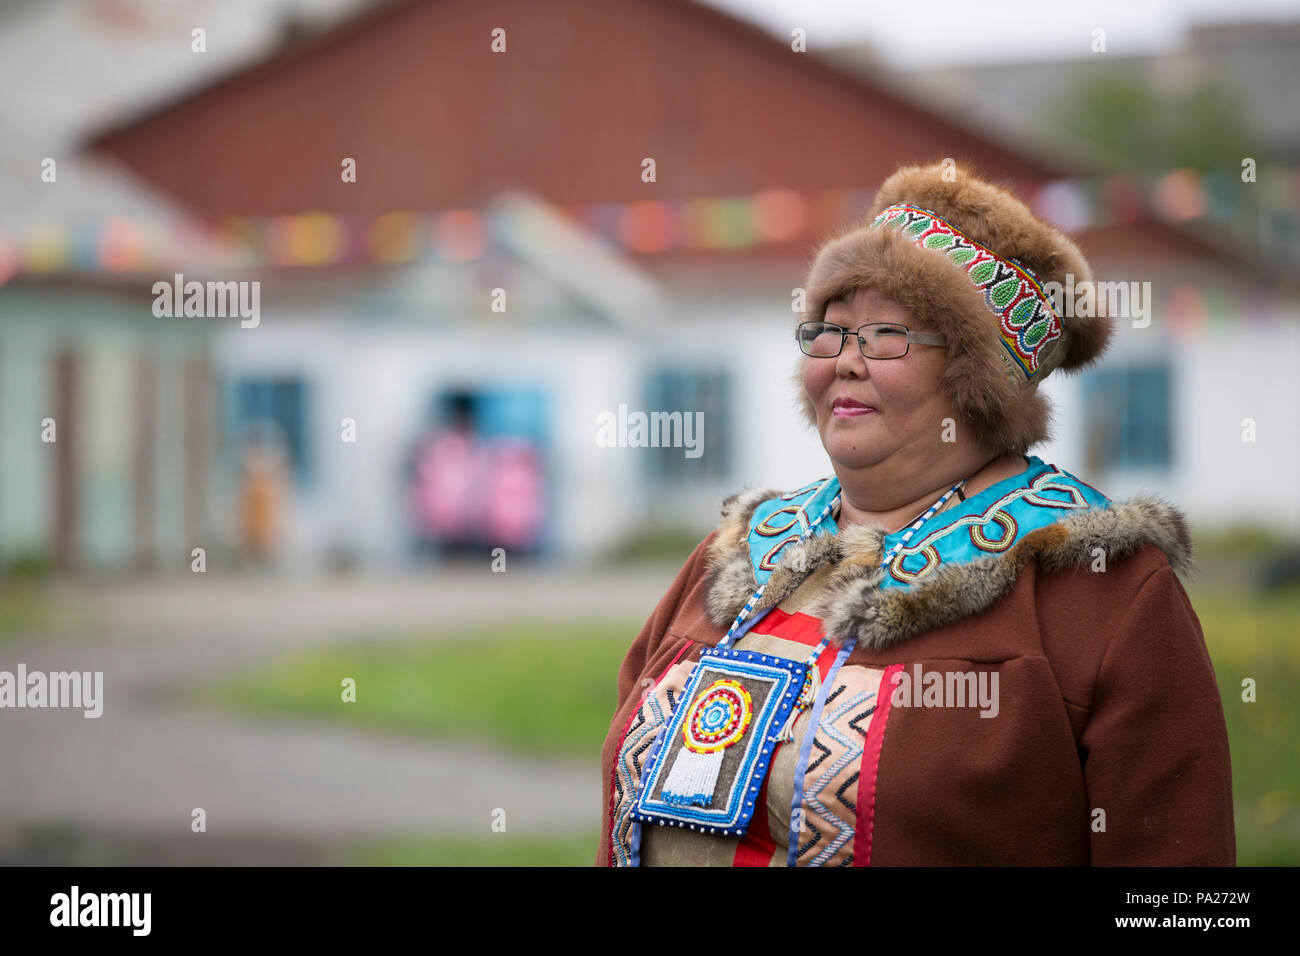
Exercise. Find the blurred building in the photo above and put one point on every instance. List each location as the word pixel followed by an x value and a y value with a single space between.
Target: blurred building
pixel 567 115
pixel 107 414
pixel 383 346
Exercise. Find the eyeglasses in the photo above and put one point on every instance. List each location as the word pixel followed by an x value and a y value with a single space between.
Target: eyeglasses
pixel 876 340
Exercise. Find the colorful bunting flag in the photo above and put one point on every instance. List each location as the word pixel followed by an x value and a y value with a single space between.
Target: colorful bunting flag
pixel 1263 211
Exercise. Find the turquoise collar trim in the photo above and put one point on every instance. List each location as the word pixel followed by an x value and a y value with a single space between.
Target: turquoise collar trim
pixel 986 524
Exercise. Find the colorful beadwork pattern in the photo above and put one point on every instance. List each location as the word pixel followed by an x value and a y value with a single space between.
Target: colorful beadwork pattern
pixel 993 521
pixel 719 718
pixel 772 683
pixel 787 520
pixel 1014 294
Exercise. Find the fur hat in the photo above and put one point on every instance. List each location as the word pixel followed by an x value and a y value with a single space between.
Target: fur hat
pixel 972 260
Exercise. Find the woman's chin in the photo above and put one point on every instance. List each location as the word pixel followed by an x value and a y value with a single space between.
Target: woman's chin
pixel 849 449
pixel 851 427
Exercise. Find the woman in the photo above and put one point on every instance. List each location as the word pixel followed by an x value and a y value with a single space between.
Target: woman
pixel 948 651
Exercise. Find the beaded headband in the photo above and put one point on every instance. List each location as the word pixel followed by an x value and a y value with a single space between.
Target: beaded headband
pixel 1026 319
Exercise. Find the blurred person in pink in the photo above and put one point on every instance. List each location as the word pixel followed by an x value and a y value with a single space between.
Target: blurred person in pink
pixel 516 496
pixel 451 470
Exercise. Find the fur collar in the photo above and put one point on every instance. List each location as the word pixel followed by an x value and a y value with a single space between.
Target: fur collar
pixel 880 618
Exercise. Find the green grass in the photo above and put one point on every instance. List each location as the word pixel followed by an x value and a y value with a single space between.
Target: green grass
pixel 542 689
pixel 502 849
pixel 24 609
pixel 1259 637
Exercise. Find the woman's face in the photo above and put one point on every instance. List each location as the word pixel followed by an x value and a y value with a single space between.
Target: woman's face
pixel 908 407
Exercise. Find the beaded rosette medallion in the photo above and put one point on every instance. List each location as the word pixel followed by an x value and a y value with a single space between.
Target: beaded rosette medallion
pixel 713 756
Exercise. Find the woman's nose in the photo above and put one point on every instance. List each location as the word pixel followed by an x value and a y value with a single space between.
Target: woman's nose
pixel 850 359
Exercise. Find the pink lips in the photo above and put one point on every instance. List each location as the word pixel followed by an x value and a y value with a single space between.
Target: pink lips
pixel 847 407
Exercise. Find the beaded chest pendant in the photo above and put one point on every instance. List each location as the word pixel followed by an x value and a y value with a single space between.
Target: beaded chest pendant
pixel 709 763
pixel 724 731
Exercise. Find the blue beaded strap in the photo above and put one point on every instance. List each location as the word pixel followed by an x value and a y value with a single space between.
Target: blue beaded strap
pixel 736 629
pixel 916 525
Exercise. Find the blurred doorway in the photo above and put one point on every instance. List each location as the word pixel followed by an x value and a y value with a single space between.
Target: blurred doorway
pixel 480 473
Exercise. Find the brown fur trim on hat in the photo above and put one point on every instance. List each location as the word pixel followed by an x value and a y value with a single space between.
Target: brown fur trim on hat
pixel 995 218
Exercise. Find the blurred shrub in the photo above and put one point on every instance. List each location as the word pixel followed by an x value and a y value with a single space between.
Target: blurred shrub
pixel 1120 120
pixel 23 608
pixel 1242 542
pixel 33 564
pixel 671 545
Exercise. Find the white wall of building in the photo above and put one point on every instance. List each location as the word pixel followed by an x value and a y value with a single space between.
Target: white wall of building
pixel 383 376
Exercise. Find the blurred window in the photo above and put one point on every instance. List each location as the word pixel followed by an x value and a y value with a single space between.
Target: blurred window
pixel 1128 417
pixel 276 408
pixel 689 391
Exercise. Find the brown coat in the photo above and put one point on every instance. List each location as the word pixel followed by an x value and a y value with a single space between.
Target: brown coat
pixel 1108 699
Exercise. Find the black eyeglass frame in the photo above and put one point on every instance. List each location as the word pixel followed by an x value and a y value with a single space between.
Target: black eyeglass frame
pixel 921 338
